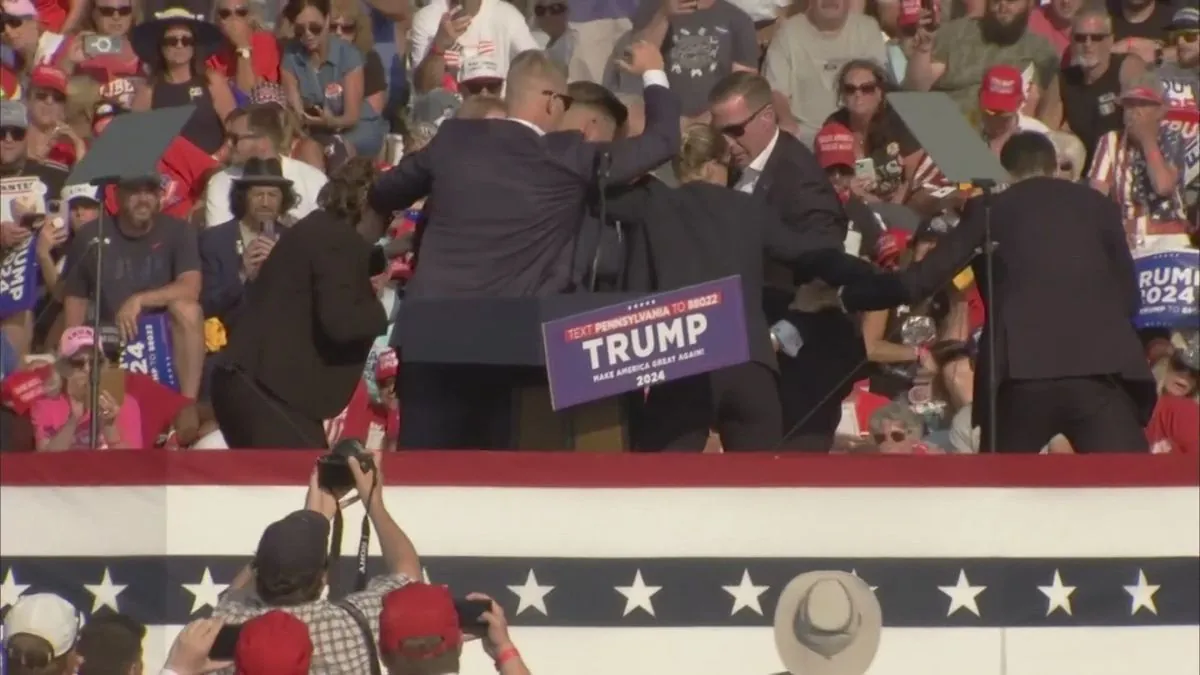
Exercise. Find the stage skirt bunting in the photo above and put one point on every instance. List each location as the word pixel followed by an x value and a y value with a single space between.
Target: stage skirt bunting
pixel 650 565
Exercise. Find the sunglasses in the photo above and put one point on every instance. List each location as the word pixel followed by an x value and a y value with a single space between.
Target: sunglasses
pixel 12 134
pixel 997 113
pixel 345 27
pixel 80 363
pixel 566 100
pixel 11 21
pixel 549 10
pixel 738 130
pixel 895 437
pixel 493 88
pixel 311 28
pixel 1084 38
pixel 49 96
pixel 1188 36
pixel 178 41
pixel 110 12
pixel 867 89
pixel 240 12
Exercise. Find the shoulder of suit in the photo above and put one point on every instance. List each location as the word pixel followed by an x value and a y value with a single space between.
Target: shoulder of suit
pixel 57 166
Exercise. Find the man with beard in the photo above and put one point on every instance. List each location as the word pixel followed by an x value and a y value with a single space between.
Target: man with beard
pixel 955 59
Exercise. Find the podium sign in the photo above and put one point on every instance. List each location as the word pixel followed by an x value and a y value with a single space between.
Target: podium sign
pixel 654 339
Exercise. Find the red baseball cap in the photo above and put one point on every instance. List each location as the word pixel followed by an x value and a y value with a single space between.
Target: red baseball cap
pixel 1002 90
pixel 835 145
pixel 275 643
pixel 910 13
pixel 48 77
pixel 414 611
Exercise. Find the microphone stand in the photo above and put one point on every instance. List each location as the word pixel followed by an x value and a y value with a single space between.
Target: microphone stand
pixel 988 188
pixel 603 164
pixel 97 349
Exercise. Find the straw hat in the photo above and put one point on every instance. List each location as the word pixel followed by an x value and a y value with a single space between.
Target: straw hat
pixel 827 623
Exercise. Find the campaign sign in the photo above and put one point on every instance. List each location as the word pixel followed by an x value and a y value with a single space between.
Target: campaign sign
pixel 656 339
pixel 20 275
pixel 149 352
pixel 1169 282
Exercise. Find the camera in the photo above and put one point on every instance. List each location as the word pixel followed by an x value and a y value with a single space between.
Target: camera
pixel 333 469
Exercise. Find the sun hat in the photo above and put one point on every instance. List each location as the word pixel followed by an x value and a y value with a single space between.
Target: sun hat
pixel 827 623
pixel 147 36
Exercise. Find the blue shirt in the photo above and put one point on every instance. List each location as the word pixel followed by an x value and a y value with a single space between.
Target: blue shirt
pixel 323 86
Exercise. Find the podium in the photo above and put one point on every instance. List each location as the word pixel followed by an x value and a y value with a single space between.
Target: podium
pixel 504 335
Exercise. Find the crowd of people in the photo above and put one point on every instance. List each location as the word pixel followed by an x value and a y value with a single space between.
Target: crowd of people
pixel 300 107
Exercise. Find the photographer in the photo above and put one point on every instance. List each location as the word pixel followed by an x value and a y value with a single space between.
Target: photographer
pixel 420 633
pixel 291 570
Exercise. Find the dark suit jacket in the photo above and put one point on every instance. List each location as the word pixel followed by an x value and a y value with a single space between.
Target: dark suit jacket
pixel 220 266
pixel 509 201
pixel 310 316
pixel 699 232
pixel 797 188
pixel 1065 288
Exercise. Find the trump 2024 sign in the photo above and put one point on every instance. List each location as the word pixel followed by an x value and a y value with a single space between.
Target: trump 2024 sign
pixel 655 339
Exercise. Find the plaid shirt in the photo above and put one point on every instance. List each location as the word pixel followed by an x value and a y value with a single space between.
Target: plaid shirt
pixel 338 647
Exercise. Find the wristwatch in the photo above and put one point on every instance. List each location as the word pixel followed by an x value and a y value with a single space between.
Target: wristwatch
pixel 243 52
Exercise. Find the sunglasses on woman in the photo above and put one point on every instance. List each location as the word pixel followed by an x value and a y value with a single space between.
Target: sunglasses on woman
pixel 311 28
pixel 550 10
pixel 109 12
pixel 1188 36
pixel 178 41
pixel 867 88
pixel 239 12
pixel 343 27
pixel 895 437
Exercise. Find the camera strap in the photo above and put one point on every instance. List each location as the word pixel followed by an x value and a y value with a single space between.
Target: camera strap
pixel 364 540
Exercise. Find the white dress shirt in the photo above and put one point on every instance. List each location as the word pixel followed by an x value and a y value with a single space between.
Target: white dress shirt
pixel 751 173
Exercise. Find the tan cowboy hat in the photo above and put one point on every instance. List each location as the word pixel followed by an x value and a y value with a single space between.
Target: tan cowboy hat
pixel 827 623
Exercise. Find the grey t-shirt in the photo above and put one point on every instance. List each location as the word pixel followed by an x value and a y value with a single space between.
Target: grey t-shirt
pixel 131 264
pixel 802 63
pixel 701 48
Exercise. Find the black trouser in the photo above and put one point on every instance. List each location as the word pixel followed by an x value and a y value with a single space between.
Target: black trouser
pixel 1096 414
pixel 457 407
pixel 252 417
pixel 741 402
pixel 813 384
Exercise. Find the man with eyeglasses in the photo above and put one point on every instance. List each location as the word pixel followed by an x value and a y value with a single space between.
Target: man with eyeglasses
pixel 1085 99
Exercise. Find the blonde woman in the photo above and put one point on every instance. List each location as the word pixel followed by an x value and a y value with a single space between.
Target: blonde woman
pixel 61 419
pixel 1071 155
pixel 348 21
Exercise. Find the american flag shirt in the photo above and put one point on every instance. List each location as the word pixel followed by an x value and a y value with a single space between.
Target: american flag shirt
pixel 1152 220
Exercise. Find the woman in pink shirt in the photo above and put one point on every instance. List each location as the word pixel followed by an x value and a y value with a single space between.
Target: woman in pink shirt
pixel 61 420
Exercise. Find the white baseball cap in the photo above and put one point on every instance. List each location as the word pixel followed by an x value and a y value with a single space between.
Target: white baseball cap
pixel 47 616
pixel 80 191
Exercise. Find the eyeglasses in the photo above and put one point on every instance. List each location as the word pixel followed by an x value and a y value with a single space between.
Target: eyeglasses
pixel 80 363
pixel 49 96
pixel 11 21
pixel 484 87
pixel 311 28
pixel 1188 36
pixel 566 100
pixel 895 437
pixel 343 27
pixel 1084 38
pixel 550 10
pixel 240 12
pixel 109 12
pixel 738 130
pixel 12 133
pixel 866 89
pixel 178 41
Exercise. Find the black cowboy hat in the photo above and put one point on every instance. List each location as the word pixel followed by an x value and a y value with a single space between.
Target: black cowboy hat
pixel 263 172
pixel 146 37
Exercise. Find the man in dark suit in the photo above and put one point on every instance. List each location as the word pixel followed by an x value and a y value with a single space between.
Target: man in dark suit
pixel 1068 359
pixel 508 194
pixel 779 169
pixel 306 326
pixel 506 199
